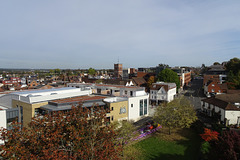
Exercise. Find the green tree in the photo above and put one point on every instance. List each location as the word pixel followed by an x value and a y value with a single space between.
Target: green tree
pixel 57 71
pixel 91 71
pixel 233 68
pixel 51 71
pixel 216 63
pixel 76 134
pixel 167 75
pixel 233 65
pixel 177 114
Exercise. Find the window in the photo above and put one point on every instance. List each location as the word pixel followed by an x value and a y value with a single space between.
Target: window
pixel 112 118
pixel 125 92
pixel 219 91
pixel 131 93
pixel 131 105
pixel 213 90
pixel 112 108
pixel 213 85
pixel 145 106
pixel 123 110
pixel 141 108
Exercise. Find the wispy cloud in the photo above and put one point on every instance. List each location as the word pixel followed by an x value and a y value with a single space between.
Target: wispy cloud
pixel 80 34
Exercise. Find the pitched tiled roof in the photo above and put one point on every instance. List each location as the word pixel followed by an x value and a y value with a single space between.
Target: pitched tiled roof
pixel 231 98
pixel 223 86
pixel 141 74
pixel 167 86
pixel 220 103
pixel 139 81
pixel 214 78
pixel 233 91
pixel 155 87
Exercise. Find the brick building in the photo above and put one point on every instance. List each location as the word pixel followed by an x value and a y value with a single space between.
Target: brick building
pixel 118 70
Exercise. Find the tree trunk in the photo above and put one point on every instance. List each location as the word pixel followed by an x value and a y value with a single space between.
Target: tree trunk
pixel 122 149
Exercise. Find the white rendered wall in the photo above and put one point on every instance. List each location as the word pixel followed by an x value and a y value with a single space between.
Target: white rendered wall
pixel 3 121
pixel 171 93
pixel 133 113
pixel 232 116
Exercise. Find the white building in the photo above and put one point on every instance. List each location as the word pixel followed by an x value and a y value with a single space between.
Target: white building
pixel 224 107
pixel 161 91
pixel 138 99
pixel 3 120
pixel 23 105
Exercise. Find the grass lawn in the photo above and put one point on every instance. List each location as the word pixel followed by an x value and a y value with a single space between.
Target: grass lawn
pixel 182 144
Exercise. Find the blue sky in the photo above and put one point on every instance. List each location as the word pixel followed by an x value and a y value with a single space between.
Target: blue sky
pixel 141 33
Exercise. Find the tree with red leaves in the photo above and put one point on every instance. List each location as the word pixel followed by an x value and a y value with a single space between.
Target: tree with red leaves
pixel 77 134
pixel 209 135
pixel 227 147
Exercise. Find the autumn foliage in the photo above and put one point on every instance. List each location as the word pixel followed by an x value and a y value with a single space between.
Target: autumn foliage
pixel 209 135
pixel 75 134
pixel 227 146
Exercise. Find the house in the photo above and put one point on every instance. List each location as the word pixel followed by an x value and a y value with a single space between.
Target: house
pixel 223 107
pixel 12 81
pixel 213 88
pixel 32 84
pixel 162 92
pixel 214 78
pixel 215 73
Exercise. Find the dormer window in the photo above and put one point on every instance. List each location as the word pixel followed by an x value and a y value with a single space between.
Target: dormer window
pixel 213 85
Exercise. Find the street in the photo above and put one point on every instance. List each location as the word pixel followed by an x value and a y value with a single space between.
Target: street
pixel 194 93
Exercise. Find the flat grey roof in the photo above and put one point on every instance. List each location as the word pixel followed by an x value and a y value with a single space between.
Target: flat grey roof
pixel 68 107
pixel 43 90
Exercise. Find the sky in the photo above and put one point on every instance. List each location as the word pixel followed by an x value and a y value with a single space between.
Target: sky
pixel 79 34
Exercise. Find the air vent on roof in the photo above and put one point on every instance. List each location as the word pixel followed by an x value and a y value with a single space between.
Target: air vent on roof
pixel 53 93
